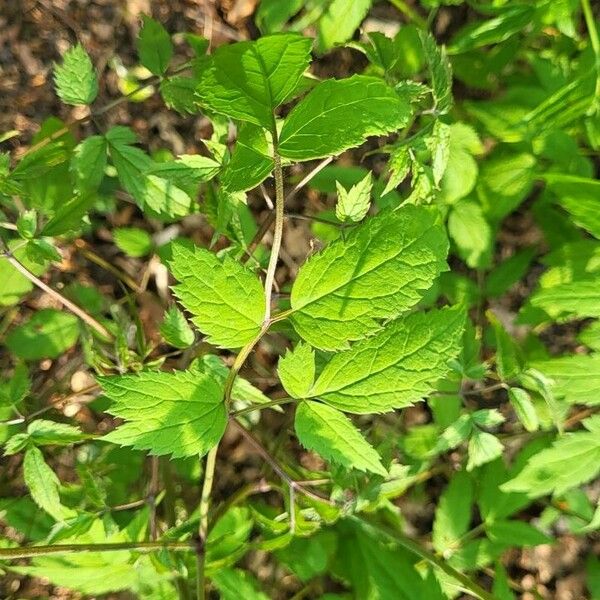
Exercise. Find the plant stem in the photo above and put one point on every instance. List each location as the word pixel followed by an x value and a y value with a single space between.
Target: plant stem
pixel 594 40
pixel 85 317
pixel 254 407
pixel 33 551
pixel 209 477
pixel 277 234
pixel 413 546
pixel 409 12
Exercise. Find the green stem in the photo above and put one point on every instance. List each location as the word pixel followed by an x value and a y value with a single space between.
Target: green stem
pixel 33 551
pixel 254 407
pixel 409 12
pixel 594 40
pixel 412 546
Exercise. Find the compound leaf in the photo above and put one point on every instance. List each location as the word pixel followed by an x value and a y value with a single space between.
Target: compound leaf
pixel 381 269
pixel 331 434
pixel 180 413
pixel 226 299
pixel 395 367
pixel 340 114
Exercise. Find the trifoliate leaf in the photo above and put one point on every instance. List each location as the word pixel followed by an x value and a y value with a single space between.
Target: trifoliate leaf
pixel 380 270
pixel 48 334
pixel 154 46
pixel 395 367
pixel 340 114
pixel 572 459
pixel 175 329
pixel 226 299
pixel 297 370
pixel 75 78
pixel 353 204
pixel 249 80
pixel 331 434
pixel 179 413
pixel 133 241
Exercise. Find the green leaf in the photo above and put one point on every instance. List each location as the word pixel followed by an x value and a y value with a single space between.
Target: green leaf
pixel 353 204
pixel 14 284
pixel 516 533
pixel 395 367
pixel 340 114
pixel 251 161
pixel 27 224
pixel 48 433
pixel 297 370
pixel 339 22
pixel 508 272
pixel 133 241
pixel 483 448
pixel 89 162
pixel 440 73
pixel 42 483
pixel 507 355
pixel 453 513
pixel 179 413
pixel 471 233
pixel 154 46
pixel 572 459
pixel 380 270
pixel 175 329
pixel 47 334
pixel 590 336
pixel 524 409
pixel 233 584
pixel 579 197
pixel 13 391
pixel 249 80
pixel 575 378
pixel 75 79
pixel 226 299
pixel 331 434
pixel 399 167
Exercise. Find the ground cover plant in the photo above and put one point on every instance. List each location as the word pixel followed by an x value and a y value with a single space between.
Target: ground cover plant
pixel 307 308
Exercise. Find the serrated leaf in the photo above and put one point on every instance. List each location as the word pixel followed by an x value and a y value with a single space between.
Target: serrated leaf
pixel 42 483
pixel 297 370
pixel 395 367
pixel 380 270
pixel 453 513
pixel 440 73
pixel 42 432
pixel 483 448
pixel 47 334
pixel 133 241
pixel 516 533
pixel 249 80
pixel 179 413
pixel 331 434
pixel 251 161
pixel 75 78
pixel 340 114
pixel 399 166
pixel 154 46
pixel 89 162
pixel 175 329
pixel 353 204
pixel 508 363
pixel 524 409
pixel 572 459
pixel 226 299
pixel 179 93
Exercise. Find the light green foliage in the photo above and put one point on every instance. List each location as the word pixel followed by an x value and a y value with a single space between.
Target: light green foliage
pixel 47 334
pixel 15 284
pixel 339 114
pixel 249 80
pixel 524 408
pixel 471 233
pixel 395 367
pixel 440 73
pixel 226 300
pixel 154 46
pixel 133 241
pixel 453 513
pixel 297 371
pixel 330 433
pixel 175 329
pixel 340 21
pixel 89 162
pixel 235 583
pixel 380 270
pixel 353 204
pixel 42 432
pixel 42 483
pixel 181 414
pixel 572 459
pixel 75 78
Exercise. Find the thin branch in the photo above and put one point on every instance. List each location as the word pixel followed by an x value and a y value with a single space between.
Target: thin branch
pixel 85 317
pixel 254 407
pixel 33 551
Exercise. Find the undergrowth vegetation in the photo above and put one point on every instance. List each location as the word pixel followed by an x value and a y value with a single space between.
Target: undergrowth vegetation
pixel 373 369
